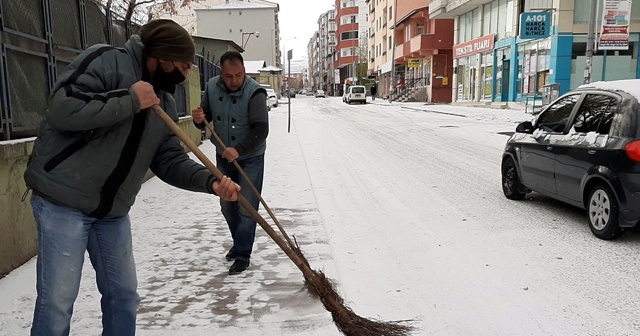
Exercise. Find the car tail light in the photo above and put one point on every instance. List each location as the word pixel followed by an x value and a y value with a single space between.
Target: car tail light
pixel 633 150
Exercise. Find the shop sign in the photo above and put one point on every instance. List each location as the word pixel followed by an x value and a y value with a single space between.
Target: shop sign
pixel 478 45
pixel 535 25
pixel 614 33
pixel 413 63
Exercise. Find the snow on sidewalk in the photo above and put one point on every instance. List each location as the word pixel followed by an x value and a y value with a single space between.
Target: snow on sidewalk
pixel 180 239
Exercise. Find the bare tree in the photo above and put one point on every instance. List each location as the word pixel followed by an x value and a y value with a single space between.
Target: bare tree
pixel 138 10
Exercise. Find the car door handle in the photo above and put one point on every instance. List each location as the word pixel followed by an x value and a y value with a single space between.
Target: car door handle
pixel 549 147
pixel 592 151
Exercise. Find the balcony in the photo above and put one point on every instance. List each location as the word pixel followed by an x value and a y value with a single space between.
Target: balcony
pixel 448 9
pixel 421 45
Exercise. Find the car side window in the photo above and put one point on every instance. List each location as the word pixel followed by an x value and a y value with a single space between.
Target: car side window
pixel 595 114
pixel 556 117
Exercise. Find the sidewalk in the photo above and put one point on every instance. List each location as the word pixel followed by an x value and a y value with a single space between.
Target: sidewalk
pixel 180 239
pixel 509 116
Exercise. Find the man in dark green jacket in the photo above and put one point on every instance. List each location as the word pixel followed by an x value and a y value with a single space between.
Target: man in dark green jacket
pixel 96 142
pixel 235 104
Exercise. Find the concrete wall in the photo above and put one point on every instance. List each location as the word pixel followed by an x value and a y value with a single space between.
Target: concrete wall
pixel 18 242
pixel 18 237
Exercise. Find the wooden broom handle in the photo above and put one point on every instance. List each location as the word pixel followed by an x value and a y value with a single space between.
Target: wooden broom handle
pixel 306 270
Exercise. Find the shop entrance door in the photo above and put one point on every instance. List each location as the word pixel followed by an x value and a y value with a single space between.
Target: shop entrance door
pixel 506 70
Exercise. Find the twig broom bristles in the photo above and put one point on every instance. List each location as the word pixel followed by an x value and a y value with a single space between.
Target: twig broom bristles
pixel 345 319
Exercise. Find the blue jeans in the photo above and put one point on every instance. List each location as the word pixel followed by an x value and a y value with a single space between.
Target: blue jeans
pixel 64 234
pixel 241 224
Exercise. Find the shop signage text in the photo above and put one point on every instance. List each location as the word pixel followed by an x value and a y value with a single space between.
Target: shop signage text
pixel 535 25
pixel 478 45
pixel 413 63
pixel 614 34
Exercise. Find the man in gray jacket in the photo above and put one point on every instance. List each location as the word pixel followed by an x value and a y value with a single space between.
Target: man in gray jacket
pixel 96 142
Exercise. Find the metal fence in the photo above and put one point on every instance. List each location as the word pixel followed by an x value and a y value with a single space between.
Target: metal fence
pixel 207 70
pixel 38 40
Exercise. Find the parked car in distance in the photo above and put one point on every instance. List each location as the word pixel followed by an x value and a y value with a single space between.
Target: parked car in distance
pixel 320 93
pixel 583 149
pixel 355 93
pixel 309 93
pixel 273 97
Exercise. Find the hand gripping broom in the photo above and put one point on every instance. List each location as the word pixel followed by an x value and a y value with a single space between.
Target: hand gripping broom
pixel 345 319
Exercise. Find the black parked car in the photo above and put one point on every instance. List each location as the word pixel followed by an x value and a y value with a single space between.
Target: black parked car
pixel 582 149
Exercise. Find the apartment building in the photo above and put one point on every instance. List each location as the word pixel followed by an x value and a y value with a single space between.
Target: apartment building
pixel 493 63
pixel 423 53
pixel 313 71
pixel 380 42
pixel 352 35
pixel 251 24
pixel 326 50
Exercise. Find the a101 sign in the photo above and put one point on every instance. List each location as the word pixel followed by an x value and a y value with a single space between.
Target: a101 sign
pixel 535 25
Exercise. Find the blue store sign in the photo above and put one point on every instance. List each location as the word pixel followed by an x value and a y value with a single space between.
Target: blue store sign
pixel 535 25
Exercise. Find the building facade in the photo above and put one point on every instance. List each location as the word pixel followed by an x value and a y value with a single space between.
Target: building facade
pixel 423 53
pixel 326 50
pixel 493 63
pixel 313 71
pixel 252 25
pixel 381 19
pixel 352 40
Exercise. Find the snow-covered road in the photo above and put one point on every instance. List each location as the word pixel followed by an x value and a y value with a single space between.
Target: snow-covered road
pixel 401 205
pixel 419 227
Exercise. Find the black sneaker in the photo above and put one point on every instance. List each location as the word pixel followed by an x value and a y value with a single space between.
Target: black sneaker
pixel 238 267
pixel 230 255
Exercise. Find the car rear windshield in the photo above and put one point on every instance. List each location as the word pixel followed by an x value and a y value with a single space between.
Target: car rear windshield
pixel 358 90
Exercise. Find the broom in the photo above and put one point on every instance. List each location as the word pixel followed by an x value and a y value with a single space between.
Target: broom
pixel 344 317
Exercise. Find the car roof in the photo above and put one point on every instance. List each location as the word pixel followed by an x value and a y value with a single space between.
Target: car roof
pixel 630 87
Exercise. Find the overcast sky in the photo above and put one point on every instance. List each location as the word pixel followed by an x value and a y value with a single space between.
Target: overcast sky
pixel 299 21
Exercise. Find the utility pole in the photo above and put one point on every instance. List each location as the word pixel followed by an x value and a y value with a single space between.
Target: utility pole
pixel 289 57
pixel 590 41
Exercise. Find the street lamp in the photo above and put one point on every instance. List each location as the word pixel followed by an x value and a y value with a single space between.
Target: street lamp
pixel 244 43
pixel 284 48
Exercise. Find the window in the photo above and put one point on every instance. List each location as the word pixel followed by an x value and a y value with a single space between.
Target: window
pixel 556 117
pixel 595 114
pixel 351 35
pixel 420 29
pixel 487 19
pixel 390 13
pixel 390 43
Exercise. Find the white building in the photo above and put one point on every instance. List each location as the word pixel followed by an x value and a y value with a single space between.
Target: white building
pixel 252 24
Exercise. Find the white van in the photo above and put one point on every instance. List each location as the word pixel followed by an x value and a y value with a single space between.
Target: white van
pixel 355 93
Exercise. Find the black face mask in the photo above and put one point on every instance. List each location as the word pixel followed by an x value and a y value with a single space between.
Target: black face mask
pixel 167 81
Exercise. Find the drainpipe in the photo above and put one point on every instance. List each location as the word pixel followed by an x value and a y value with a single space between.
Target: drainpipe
pixel 393 48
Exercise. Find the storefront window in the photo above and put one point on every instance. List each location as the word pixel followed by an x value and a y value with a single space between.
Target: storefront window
pixel 533 67
pixel 487 75
pixel 463 78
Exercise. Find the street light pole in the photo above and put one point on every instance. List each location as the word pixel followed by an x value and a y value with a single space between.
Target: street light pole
pixel 590 42
pixel 244 43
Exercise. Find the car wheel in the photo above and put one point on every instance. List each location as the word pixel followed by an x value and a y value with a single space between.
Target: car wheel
pixel 602 211
pixel 511 185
